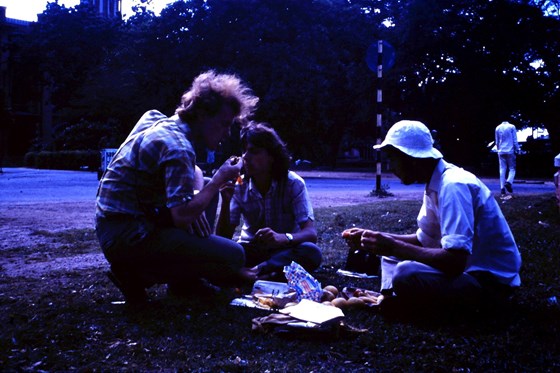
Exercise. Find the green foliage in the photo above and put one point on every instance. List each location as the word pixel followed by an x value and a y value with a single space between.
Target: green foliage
pixel 88 135
pixel 465 66
pixel 63 160
pixel 461 66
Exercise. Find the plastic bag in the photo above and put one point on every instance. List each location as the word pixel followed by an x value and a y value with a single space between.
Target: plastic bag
pixel 305 285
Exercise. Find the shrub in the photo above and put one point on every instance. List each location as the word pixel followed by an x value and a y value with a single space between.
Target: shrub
pixel 63 160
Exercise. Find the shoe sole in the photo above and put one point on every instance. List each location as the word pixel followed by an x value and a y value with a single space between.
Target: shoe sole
pixel 136 300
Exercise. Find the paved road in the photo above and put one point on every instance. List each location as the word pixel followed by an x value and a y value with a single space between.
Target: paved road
pixel 32 185
pixel 394 185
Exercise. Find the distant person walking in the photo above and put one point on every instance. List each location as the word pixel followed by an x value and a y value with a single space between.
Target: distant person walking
pixel 507 147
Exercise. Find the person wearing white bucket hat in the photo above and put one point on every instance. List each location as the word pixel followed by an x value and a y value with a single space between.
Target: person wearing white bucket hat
pixel 412 138
pixel 463 251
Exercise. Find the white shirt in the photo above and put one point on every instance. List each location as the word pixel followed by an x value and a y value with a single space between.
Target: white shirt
pixel 460 213
pixel 506 138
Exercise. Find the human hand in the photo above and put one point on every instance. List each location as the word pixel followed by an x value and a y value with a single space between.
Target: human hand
pixel 249 274
pixel 378 243
pixel 226 191
pixel 353 237
pixel 229 170
pixel 269 238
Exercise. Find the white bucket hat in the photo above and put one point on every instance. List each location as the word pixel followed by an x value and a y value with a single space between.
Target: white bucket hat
pixel 412 138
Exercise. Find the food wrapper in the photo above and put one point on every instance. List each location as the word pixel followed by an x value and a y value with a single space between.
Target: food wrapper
pixel 268 295
pixel 305 285
pixel 272 294
pixel 270 287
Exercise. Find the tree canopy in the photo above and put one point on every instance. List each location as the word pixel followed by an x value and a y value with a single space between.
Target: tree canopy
pixel 461 66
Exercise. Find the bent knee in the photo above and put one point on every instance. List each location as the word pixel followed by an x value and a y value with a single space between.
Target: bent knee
pixel 310 256
pixel 404 275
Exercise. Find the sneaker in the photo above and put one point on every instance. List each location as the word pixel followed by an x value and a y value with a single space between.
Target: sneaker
pixel 134 293
pixel 509 188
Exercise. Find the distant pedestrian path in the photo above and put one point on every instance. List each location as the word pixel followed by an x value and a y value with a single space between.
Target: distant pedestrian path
pixel 23 185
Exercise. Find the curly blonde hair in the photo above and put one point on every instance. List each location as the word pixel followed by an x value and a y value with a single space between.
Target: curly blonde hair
pixel 211 91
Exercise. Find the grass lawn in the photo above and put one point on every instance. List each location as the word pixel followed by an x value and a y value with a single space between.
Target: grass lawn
pixel 69 321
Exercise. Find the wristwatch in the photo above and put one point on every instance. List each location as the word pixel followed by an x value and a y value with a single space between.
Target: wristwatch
pixel 290 237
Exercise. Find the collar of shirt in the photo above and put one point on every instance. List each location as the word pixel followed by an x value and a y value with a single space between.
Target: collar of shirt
pixel 183 126
pixel 255 192
pixel 435 180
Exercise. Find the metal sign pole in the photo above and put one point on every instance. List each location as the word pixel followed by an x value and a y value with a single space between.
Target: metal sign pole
pixel 379 111
pixel 380 55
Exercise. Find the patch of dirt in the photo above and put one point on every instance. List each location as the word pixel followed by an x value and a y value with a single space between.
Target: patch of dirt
pixel 33 243
pixel 35 238
pixel 19 222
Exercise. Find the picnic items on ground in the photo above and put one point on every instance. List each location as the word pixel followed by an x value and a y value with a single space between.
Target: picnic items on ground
pixel 271 296
pixel 351 297
pixel 313 312
pixel 305 315
pixel 267 295
pixel 280 324
pixel 302 304
pixel 305 285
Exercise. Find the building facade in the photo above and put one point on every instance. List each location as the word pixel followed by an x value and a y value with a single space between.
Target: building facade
pixel 25 109
pixel 107 8
pixel 20 114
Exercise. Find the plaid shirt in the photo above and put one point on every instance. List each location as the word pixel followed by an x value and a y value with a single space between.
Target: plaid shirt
pixel 284 208
pixel 153 168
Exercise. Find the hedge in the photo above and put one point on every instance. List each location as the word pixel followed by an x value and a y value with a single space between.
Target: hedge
pixel 64 160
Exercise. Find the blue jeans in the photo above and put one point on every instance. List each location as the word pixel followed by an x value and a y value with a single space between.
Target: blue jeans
pixel 151 255
pixel 507 163
pixel 306 254
pixel 422 284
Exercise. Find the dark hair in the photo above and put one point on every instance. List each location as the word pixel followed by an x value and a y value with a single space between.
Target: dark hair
pixel 210 92
pixel 261 135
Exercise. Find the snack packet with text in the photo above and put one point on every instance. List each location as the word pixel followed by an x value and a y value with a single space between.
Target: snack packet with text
pixel 305 285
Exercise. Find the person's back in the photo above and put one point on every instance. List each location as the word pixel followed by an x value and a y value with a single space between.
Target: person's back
pixel 493 247
pixel 507 147
pixel 506 138
pixel 130 184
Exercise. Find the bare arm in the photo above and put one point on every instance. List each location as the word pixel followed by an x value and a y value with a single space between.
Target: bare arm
pixel 271 238
pixel 224 228
pixel 407 247
pixel 186 214
pixel 307 233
